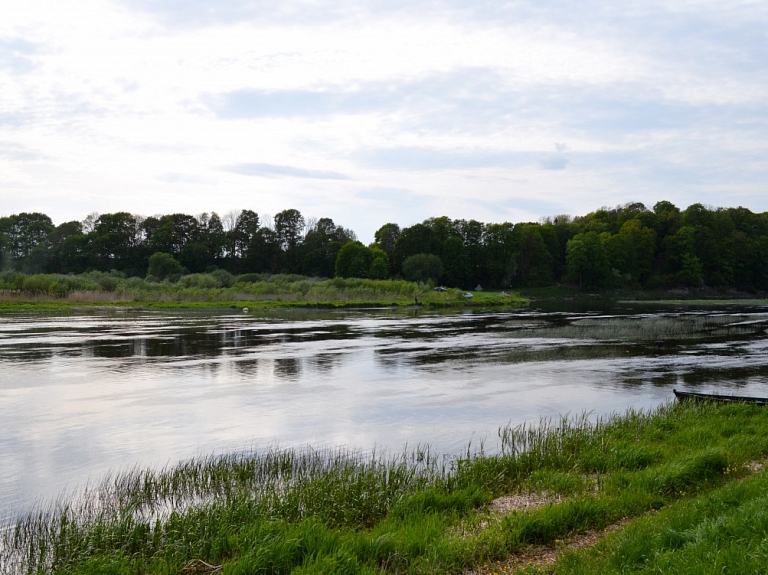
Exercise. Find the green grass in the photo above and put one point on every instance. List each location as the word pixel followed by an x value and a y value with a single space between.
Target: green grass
pixel 721 531
pixel 53 292
pixel 335 511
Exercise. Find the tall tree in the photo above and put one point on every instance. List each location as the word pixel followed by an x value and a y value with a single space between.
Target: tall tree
pixel 289 227
pixel 68 249
pixel 321 245
pixel 114 241
pixel 386 238
pixel 587 261
pixel 22 233
pixel 501 248
pixel 353 260
pixel 413 240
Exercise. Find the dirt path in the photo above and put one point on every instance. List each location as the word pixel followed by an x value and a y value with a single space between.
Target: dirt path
pixel 543 555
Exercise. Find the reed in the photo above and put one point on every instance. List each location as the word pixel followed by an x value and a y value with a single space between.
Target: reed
pixel 337 510
pixel 219 288
pixel 651 328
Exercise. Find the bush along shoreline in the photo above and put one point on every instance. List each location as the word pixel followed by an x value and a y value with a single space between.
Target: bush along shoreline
pixel 680 488
pixel 221 290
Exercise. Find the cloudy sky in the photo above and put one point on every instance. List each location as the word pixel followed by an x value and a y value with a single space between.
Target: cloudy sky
pixel 378 111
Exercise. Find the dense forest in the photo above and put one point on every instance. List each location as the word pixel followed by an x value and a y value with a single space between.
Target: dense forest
pixel 625 246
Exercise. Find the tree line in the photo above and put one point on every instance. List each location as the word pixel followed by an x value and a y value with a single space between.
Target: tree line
pixel 625 246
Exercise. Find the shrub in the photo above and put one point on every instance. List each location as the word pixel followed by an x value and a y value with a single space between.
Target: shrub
pixel 164 266
pixel 423 268
pixel 199 281
pixel 224 278
pixel 251 278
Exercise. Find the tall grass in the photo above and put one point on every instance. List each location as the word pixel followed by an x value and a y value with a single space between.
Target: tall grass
pixel 341 511
pixel 220 286
pixel 652 327
pixel 145 508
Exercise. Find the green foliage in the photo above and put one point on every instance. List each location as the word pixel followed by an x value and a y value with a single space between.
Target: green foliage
pixel 386 238
pixel 423 268
pixel 626 246
pixel 164 266
pixel 199 281
pixel 333 510
pixel 251 278
pixel 587 260
pixel 224 278
pixel 379 269
pixel 354 260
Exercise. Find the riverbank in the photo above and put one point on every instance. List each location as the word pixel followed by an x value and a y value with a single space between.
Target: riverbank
pixel 205 291
pixel 677 487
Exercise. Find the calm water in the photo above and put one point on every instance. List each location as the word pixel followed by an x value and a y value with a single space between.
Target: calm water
pixel 84 394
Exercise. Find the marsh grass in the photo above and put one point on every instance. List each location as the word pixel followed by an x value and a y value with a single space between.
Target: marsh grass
pixel 341 511
pixel 207 289
pixel 651 328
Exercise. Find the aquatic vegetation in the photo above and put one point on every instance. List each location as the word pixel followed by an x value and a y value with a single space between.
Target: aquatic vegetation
pixel 332 510
pixel 652 327
pixel 216 290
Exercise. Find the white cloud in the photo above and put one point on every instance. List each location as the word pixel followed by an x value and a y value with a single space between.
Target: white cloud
pixel 137 106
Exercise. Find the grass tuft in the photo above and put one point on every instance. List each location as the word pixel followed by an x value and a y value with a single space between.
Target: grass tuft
pixel 342 511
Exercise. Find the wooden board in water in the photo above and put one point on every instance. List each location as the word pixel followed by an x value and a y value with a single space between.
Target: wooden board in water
pixel 685 395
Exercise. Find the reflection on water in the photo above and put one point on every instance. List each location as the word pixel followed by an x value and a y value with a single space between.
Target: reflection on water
pixel 83 394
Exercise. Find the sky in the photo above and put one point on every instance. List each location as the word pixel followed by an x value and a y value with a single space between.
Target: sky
pixel 381 111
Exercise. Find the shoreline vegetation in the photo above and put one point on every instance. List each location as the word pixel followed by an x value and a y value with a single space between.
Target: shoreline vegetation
pixel 626 247
pixel 677 489
pixel 222 291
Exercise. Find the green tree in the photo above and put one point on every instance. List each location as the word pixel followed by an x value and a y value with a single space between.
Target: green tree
pixel 354 260
pixel 263 254
pixel 457 270
pixel 386 238
pixel 205 251
pixel 423 268
pixel 501 249
pixel 379 269
pixel 318 252
pixel 170 233
pixel 114 242
pixel 692 272
pixel 473 235
pixel 164 266
pixel 413 240
pixel 22 233
pixel 289 227
pixel 534 262
pixel 246 226
pixel 587 261
pixel 68 249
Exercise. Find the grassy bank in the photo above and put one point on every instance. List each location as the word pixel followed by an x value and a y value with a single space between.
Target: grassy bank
pixel 679 470
pixel 48 292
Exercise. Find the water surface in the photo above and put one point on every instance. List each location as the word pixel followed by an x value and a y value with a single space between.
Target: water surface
pixel 82 394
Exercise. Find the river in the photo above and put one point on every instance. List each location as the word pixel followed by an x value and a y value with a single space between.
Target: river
pixel 86 393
